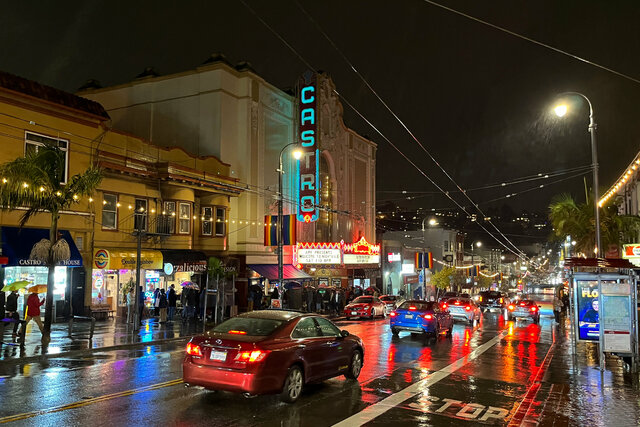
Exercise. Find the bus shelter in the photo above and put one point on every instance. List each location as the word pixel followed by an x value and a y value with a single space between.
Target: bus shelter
pixel 604 306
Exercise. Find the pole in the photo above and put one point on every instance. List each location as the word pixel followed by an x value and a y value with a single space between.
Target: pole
pixel 424 273
pixel 594 158
pixel 136 317
pixel 206 294
pixel 280 215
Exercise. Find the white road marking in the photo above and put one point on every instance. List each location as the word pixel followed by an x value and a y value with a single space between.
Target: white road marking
pixel 377 409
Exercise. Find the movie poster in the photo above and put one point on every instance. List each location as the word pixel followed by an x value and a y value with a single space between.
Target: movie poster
pixel 588 315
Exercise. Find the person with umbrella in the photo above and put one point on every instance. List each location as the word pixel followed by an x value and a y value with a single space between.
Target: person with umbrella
pixel 33 310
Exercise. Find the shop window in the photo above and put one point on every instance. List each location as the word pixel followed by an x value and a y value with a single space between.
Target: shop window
pixel 184 221
pixel 207 220
pixel 33 141
pixel 110 211
pixel 140 218
pixel 221 224
pixel 170 212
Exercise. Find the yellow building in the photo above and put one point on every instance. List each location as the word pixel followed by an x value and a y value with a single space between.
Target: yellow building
pixel 178 201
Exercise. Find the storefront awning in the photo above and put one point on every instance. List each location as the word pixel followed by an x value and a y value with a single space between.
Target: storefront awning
pixel 184 260
pixel 18 242
pixel 126 259
pixel 270 271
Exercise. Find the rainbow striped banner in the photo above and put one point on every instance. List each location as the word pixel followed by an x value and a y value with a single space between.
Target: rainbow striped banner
pixel 271 230
pixel 424 260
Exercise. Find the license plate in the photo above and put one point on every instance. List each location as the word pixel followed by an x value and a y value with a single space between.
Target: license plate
pixel 218 356
pixel 408 316
pixel 353 313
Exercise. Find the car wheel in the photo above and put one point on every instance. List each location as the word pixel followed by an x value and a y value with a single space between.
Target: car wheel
pixel 355 367
pixel 395 331
pixel 292 385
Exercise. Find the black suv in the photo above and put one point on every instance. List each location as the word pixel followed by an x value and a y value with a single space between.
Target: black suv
pixel 492 300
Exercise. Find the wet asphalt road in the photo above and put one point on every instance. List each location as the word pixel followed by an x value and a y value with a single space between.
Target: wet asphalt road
pixel 481 375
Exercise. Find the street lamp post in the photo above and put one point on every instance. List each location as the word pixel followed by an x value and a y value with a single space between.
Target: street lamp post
pixel 560 111
pixel 297 154
pixel 432 222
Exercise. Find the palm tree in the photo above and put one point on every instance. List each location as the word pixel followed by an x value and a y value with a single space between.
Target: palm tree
pixel 35 182
pixel 577 220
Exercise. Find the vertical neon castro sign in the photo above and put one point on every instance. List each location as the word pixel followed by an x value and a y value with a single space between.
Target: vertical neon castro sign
pixel 308 166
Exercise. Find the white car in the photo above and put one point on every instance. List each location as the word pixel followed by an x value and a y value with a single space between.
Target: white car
pixel 390 302
pixel 464 309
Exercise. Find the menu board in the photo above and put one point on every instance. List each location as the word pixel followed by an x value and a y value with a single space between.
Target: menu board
pixel 616 317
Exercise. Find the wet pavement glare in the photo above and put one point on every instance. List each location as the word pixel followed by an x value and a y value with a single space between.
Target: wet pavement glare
pixel 528 375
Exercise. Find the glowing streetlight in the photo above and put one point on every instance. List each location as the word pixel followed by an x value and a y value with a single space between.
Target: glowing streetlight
pixel 560 111
pixel 433 221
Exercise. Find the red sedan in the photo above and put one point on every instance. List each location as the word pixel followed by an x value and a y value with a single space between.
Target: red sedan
pixel 271 351
pixel 365 306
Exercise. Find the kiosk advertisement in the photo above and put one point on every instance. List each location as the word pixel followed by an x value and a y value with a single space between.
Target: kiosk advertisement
pixel 616 317
pixel 588 309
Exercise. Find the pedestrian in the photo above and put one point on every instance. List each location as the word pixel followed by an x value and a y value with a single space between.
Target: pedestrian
pixel 2 302
pixel 557 308
pixel 33 312
pixel 141 299
pixel 162 306
pixel 172 299
pixel 156 302
pixel 317 300
pixel 192 301
pixel 326 298
pixel 310 304
pixel 131 305
pixel 203 310
pixel 565 300
pixel 332 301
pixel 11 311
pixel 275 294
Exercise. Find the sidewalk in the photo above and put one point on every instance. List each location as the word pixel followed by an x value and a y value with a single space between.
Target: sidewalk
pixel 108 334
pixel 573 390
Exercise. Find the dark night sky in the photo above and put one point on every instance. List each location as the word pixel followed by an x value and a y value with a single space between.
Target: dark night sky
pixel 476 97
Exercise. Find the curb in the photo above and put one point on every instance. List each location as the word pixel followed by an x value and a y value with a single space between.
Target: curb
pixel 90 350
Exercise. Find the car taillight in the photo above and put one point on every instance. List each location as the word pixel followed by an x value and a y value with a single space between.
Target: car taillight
pixel 427 317
pixel 412 307
pixel 480 299
pixel 237 332
pixel 457 303
pixel 511 307
pixel 251 356
pixel 194 350
pixel 501 300
pixel 468 308
pixel 444 306
pixel 534 308
pixel 393 314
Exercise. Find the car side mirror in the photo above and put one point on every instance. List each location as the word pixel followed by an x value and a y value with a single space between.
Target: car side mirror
pixel 344 333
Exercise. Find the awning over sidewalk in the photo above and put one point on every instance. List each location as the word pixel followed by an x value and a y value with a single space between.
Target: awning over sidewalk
pixel 270 271
pixel 183 260
pixel 17 244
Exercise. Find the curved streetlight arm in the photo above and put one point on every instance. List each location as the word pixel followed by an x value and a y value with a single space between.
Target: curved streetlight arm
pixel 280 171
pixel 594 160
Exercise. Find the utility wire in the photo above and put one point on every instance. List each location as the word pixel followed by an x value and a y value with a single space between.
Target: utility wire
pixel 519 253
pixel 375 93
pixel 530 40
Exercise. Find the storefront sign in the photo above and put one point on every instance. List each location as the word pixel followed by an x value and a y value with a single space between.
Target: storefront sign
pixel 393 257
pixel 408 268
pixel 193 266
pixel 632 253
pixel 168 268
pixel 413 278
pixel 348 254
pixel 308 167
pixel 115 259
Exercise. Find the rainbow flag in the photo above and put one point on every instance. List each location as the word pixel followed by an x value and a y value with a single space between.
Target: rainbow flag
pixel 271 230
pixel 424 260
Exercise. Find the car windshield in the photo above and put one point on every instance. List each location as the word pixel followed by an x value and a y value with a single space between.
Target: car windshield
pixel 388 298
pixel 492 294
pixel 419 305
pixel 248 326
pixel 458 301
pixel 526 302
pixel 363 300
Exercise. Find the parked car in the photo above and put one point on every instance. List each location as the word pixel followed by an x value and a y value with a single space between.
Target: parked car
pixel 424 317
pixel 526 309
pixel 492 300
pixel 464 309
pixel 271 351
pixel 390 302
pixel 365 306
